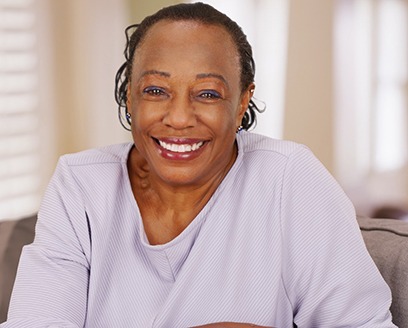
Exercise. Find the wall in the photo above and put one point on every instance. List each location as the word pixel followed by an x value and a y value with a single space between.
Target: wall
pixel 87 53
pixel 139 9
pixel 309 81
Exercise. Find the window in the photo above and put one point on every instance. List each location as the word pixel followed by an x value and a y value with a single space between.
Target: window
pixel 371 57
pixel 19 102
pixel 390 83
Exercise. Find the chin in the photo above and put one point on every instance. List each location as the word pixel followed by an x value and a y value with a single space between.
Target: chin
pixel 181 180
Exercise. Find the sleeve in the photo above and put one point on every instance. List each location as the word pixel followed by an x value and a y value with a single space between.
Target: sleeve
pixel 329 276
pixel 52 279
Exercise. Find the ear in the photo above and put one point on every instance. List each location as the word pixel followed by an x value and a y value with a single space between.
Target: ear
pixel 244 102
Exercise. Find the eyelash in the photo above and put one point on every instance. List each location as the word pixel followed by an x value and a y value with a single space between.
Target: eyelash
pixel 209 94
pixel 154 91
pixel 205 94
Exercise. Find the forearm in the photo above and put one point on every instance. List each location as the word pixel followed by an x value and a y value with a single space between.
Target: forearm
pixel 230 325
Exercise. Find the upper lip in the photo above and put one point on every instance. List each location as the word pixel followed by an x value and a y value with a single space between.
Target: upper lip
pixel 179 140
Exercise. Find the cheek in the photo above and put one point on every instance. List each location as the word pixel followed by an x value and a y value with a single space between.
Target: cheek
pixel 219 123
pixel 144 115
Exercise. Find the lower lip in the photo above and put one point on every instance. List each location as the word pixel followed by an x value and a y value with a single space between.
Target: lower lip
pixel 175 156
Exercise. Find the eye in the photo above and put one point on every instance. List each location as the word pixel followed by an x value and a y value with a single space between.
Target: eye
pixel 209 94
pixel 154 91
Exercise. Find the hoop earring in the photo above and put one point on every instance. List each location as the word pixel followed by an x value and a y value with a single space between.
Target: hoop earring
pixel 239 129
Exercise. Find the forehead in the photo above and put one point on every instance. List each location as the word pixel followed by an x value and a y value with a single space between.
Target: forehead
pixel 181 28
pixel 188 42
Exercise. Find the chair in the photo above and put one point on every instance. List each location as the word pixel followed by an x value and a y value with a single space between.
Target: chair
pixel 387 243
pixel 13 236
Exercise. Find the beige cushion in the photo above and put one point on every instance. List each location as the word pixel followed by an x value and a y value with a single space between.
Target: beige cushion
pixel 13 236
pixel 387 243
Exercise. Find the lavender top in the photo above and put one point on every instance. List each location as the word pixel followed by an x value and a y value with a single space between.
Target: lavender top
pixel 276 244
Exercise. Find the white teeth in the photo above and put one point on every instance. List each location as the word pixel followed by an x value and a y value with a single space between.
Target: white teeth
pixel 184 148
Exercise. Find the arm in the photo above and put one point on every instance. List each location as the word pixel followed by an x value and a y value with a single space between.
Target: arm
pixel 230 325
pixel 329 276
pixel 52 279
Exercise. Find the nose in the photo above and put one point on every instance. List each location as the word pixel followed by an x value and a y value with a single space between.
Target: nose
pixel 180 113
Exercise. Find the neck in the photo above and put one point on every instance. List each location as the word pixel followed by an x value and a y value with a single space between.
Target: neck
pixel 168 209
pixel 177 195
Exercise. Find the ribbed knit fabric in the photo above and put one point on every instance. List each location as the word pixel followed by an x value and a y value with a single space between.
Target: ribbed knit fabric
pixel 277 244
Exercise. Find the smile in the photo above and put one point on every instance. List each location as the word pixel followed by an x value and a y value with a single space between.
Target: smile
pixel 181 148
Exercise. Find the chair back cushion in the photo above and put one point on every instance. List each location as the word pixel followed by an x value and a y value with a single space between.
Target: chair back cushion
pixel 387 243
pixel 13 236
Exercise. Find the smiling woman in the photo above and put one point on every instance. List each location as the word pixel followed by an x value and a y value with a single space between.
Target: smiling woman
pixel 184 118
pixel 197 222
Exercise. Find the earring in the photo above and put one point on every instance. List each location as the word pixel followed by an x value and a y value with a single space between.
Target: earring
pixel 128 117
pixel 239 129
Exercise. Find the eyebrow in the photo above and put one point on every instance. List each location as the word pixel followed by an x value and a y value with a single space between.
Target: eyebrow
pixel 198 76
pixel 155 72
pixel 217 76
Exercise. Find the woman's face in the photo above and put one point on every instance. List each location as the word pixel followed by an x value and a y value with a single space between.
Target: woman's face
pixel 186 102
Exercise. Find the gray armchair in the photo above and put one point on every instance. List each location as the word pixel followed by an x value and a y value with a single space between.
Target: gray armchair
pixel 387 243
pixel 13 236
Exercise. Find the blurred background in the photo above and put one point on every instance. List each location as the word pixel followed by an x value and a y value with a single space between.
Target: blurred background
pixel 333 75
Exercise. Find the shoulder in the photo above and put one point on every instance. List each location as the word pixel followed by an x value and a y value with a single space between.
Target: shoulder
pixel 267 162
pixel 88 173
pixel 250 142
pixel 264 158
pixel 93 166
pixel 253 146
pixel 111 154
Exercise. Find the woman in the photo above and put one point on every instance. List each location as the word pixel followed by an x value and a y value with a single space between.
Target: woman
pixel 195 223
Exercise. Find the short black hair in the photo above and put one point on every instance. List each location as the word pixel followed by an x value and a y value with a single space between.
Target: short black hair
pixel 198 12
